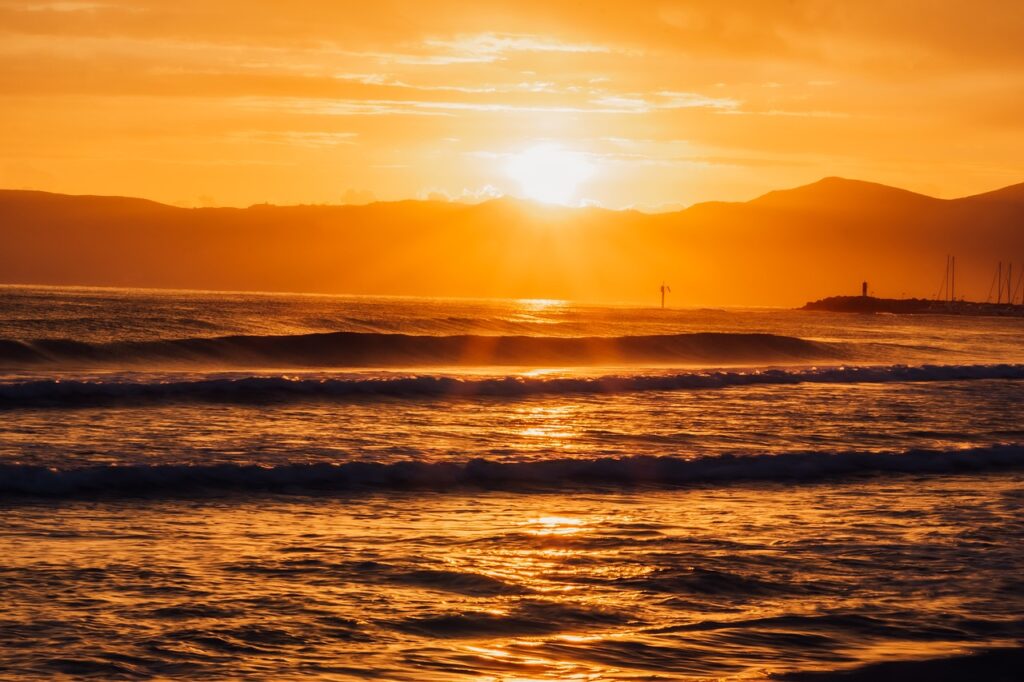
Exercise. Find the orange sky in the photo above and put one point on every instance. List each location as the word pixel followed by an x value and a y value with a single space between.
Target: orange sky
pixel 656 104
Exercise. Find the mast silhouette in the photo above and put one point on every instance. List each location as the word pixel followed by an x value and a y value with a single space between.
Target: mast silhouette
pixel 952 279
pixel 999 283
pixel 665 289
pixel 943 291
pixel 1009 284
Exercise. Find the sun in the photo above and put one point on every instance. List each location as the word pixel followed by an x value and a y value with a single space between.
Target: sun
pixel 549 173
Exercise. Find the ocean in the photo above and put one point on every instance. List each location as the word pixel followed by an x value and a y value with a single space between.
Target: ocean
pixel 270 486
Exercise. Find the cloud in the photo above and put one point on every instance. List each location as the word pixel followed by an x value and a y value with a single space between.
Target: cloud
pixel 497 44
pixel 466 196
pixel 641 103
pixel 102 92
pixel 413 107
pixel 687 100
pixel 795 114
pixel 481 48
pixel 383 80
pixel 300 138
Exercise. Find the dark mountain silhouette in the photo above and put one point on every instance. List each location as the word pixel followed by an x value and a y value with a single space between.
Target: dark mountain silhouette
pixel 830 193
pixel 1013 194
pixel 783 248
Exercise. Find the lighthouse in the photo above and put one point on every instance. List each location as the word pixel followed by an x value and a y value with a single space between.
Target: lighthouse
pixel 864 289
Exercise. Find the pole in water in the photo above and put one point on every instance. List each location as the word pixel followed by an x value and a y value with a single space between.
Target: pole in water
pixel 665 289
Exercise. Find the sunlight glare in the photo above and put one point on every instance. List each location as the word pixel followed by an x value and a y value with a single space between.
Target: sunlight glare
pixel 550 174
pixel 556 525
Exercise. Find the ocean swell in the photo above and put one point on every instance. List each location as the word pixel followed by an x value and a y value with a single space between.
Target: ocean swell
pixel 557 474
pixel 351 349
pixel 262 389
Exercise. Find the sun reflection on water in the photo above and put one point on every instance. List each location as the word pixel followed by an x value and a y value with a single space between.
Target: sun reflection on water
pixel 554 426
pixel 556 525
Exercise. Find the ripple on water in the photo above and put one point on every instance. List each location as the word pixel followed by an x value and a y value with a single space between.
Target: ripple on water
pixel 706 582
pixel 523 618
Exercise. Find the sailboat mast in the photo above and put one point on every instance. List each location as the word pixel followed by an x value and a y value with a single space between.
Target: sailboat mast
pixel 952 281
pixel 944 291
pixel 1009 283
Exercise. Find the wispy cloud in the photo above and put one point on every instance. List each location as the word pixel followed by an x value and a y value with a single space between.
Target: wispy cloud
pixel 496 44
pixel 385 80
pixel 687 100
pixel 792 113
pixel 666 99
pixel 300 138
pixel 326 91
pixel 336 107
pixel 466 196
pixel 481 48
pixel 412 107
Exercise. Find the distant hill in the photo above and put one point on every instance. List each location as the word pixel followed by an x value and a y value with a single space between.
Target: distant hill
pixel 832 194
pixel 783 248
pixel 1014 194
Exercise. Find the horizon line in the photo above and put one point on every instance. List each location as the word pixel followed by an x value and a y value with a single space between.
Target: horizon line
pixel 633 303
pixel 584 204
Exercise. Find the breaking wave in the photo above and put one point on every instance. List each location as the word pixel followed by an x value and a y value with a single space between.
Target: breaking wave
pixel 558 474
pixel 262 389
pixel 351 349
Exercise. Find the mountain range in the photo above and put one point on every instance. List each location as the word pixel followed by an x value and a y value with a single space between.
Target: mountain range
pixel 783 248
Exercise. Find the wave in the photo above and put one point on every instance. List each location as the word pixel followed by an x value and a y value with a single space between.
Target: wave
pixel 354 349
pixel 556 474
pixel 264 389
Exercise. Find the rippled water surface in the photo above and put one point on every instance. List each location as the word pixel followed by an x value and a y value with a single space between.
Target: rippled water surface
pixel 735 581
pixel 282 487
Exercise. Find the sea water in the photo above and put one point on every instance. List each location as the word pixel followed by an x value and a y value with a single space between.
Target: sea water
pixel 282 486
